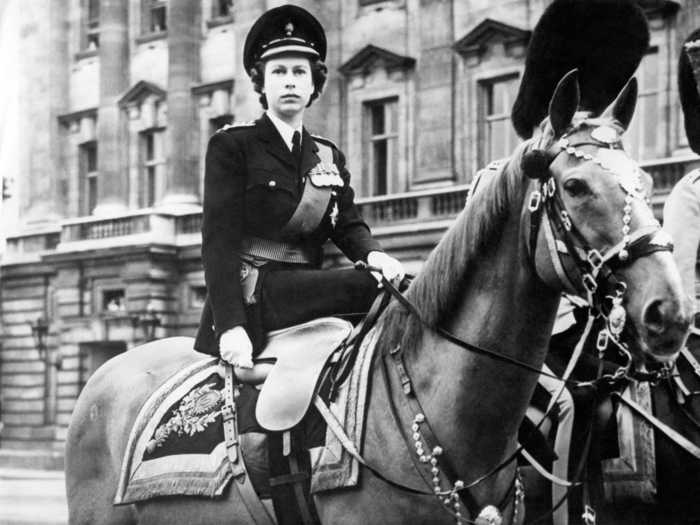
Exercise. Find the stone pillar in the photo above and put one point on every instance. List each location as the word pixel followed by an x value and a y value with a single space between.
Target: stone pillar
pixel 112 184
pixel 42 97
pixel 434 93
pixel 246 103
pixel 182 144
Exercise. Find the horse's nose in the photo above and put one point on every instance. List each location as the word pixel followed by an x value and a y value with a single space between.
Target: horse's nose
pixel 667 325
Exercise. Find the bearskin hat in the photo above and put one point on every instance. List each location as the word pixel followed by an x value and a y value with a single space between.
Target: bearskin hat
pixel 688 68
pixel 604 39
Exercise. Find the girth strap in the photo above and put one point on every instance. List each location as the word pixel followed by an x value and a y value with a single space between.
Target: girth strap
pixel 241 478
pixel 680 440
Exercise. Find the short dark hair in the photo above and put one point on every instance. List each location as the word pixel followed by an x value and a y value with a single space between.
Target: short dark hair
pixel 319 73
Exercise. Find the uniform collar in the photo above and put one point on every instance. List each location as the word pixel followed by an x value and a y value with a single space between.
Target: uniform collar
pixel 285 130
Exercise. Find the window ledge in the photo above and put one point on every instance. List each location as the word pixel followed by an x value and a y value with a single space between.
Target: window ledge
pixel 150 37
pixel 86 53
pixel 219 21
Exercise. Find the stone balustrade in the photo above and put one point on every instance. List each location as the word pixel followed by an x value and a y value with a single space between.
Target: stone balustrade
pixel 393 210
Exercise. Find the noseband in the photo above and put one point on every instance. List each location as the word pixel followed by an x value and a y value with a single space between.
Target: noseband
pixel 581 268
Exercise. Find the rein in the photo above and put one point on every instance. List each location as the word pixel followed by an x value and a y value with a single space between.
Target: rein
pixel 593 270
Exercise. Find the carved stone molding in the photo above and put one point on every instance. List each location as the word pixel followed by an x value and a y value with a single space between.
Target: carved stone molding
pixel 475 43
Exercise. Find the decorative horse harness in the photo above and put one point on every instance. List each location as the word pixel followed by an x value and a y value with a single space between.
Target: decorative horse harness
pixel 581 269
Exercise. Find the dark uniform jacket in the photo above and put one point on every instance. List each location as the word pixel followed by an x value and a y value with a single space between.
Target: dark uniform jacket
pixel 251 188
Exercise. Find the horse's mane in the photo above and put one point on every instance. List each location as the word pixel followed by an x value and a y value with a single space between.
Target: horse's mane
pixel 440 283
pixel 441 280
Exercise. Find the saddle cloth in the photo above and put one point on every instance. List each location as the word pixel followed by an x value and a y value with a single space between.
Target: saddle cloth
pixel 159 460
pixel 332 467
pixel 176 445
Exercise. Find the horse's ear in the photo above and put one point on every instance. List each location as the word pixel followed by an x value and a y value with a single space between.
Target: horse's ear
pixel 622 109
pixel 564 102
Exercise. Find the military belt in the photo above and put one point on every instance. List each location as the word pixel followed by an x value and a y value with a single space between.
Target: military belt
pixel 277 251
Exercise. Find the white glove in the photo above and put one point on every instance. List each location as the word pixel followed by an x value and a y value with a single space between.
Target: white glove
pixel 236 348
pixel 391 268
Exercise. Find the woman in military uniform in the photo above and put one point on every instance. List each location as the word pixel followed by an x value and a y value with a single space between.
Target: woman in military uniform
pixel 273 194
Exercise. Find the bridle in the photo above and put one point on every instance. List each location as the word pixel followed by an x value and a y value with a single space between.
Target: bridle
pixel 581 269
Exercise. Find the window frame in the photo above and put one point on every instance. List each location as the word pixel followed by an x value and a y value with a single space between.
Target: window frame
pixel 88 178
pixel 150 167
pixel 148 7
pixel 637 147
pixel 370 140
pixel 485 120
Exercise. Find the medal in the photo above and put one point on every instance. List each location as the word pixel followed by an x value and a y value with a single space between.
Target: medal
pixel 334 214
pixel 617 317
pixel 325 175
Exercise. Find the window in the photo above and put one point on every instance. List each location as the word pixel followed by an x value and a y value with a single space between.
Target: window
pixel 647 130
pixel 91 25
pixel 113 301
pixel 198 295
pixel 219 122
pixel 151 163
pixel 497 137
pixel 381 143
pixel 154 16
pixel 221 8
pixel 88 177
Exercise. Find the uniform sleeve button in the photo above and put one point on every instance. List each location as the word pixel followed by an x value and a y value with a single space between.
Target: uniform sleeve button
pixel 272 184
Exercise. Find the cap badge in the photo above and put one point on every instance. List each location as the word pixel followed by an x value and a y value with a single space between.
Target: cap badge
pixel 289 29
pixel 605 134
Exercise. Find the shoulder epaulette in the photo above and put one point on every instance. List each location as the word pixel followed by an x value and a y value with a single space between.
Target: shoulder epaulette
pixel 225 127
pixel 695 176
pixel 324 140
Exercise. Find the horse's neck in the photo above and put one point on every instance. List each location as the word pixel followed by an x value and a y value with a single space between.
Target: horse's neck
pixel 476 402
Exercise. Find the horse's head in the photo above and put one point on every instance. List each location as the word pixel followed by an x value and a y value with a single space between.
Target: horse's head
pixel 593 232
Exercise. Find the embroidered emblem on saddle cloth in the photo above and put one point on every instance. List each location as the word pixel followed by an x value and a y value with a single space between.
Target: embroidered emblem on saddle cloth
pixel 176 446
pixel 332 467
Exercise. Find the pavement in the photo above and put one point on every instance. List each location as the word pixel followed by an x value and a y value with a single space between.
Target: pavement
pixel 32 497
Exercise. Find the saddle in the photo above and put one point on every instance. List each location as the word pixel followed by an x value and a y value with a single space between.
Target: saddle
pixel 289 368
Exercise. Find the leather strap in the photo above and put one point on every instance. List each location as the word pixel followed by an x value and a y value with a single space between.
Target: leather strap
pixel 300 478
pixel 313 203
pixel 691 360
pixel 241 479
pixel 543 471
pixel 680 440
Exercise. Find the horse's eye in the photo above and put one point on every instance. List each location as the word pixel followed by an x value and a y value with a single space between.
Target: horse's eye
pixel 576 188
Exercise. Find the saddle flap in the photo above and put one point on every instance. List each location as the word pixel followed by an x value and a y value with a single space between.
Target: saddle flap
pixel 301 352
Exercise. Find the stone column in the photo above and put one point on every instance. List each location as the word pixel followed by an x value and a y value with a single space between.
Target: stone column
pixel 184 36
pixel 43 88
pixel 246 104
pixel 112 184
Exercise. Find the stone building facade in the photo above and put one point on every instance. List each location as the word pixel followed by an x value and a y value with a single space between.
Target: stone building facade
pixel 118 99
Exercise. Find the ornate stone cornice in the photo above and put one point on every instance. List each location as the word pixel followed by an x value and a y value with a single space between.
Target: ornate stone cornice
pixel 139 91
pixel 68 118
pixel 662 8
pixel 372 56
pixel 210 87
pixel 487 32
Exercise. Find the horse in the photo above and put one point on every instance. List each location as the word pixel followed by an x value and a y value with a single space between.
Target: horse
pixel 674 390
pixel 675 402
pixel 489 282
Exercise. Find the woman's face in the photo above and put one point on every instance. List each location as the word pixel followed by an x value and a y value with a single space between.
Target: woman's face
pixel 287 85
